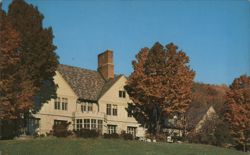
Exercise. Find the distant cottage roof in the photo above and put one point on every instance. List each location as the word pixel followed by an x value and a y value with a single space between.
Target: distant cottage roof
pixel 195 114
pixel 87 84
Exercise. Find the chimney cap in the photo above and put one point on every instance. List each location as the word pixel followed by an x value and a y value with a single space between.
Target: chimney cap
pixel 106 51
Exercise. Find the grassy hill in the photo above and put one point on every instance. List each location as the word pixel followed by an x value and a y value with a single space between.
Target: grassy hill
pixel 68 146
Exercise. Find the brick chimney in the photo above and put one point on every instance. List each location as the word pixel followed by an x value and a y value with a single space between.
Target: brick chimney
pixel 105 65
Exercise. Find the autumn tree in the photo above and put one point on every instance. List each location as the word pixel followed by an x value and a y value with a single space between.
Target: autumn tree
pixel 9 59
pixel 27 63
pixel 15 92
pixel 237 110
pixel 38 60
pixel 160 85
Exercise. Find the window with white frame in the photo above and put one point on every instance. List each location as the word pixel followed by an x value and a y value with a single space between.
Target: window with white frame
pixel 93 124
pixel 78 124
pixel 131 130
pixel 86 124
pixel 57 103
pixel 111 129
pixel 64 104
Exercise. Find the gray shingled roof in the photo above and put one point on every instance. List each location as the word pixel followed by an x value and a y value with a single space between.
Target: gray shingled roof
pixel 87 84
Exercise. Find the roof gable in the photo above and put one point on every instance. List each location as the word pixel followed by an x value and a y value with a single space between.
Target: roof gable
pixel 112 93
pixel 196 115
pixel 87 84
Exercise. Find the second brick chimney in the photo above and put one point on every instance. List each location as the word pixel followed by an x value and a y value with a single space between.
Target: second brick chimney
pixel 105 65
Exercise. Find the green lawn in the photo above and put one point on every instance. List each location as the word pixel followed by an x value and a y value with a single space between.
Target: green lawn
pixel 72 146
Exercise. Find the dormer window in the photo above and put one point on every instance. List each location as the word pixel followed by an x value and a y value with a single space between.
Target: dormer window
pixel 122 94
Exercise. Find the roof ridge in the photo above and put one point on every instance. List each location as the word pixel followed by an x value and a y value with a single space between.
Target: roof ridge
pixel 79 68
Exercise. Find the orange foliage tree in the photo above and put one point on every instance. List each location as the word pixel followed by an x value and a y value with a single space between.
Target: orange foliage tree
pixel 237 111
pixel 160 84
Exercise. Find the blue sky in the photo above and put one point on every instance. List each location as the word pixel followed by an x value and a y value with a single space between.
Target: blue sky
pixel 214 34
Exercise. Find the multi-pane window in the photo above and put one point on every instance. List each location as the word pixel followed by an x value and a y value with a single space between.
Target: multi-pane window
pixel 111 129
pixel 131 130
pixel 111 109
pixel 122 94
pixel 78 124
pixel 64 104
pixel 57 103
pixel 115 110
pixel 91 124
pixel 108 109
pixel 61 103
pixel 86 124
pixel 87 107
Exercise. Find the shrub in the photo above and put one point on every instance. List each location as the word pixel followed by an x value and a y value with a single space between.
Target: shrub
pixel 35 135
pixel 113 135
pixel 50 133
pixel 161 137
pixel 61 130
pixel 86 133
pixel 128 136
pixel 214 132
pixel 42 135
pixel 9 129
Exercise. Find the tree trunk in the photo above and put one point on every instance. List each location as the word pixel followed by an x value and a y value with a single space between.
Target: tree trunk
pixel 158 126
pixel 244 147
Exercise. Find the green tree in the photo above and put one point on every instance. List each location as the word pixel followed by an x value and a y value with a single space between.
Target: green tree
pixel 160 85
pixel 38 60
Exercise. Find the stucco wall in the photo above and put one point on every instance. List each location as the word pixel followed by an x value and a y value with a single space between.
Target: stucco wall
pixel 112 97
pixel 48 113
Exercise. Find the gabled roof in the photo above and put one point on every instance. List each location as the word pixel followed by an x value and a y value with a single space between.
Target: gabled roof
pixel 87 84
pixel 195 115
pixel 108 85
